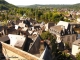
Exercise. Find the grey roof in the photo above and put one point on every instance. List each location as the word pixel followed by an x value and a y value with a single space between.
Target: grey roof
pixel 77 42
pixel 57 28
pixel 46 55
pixel 4 38
pixel 33 39
pixel 50 24
pixel 1 28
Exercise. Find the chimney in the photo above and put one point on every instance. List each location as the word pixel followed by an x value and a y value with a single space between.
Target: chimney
pixel 63 27
pixel 71 29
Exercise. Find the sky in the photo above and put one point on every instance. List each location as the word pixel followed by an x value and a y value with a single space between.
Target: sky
pixel 31 2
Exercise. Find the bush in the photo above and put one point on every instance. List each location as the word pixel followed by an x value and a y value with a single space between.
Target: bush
pixel 78 56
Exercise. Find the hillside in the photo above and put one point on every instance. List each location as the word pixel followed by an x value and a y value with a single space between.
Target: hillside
pixel 74 6
pixel 5 5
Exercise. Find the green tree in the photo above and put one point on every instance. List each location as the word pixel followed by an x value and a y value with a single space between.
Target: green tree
pixel 45 35
pixel 49 36
pixel 3 16
pixel 78 56
pixel 57 17
pixel 62 55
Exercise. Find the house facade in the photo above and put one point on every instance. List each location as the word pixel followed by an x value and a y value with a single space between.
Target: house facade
pixel 64 32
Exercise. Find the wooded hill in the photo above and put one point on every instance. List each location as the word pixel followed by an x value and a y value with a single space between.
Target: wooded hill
pixel 74 6
pixel 5 5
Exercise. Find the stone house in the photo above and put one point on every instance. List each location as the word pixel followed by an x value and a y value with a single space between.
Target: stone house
pixel 64 32
pixel 35 29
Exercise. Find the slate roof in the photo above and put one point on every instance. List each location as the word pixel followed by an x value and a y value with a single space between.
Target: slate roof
pixel 33 38
pixel 57 28
pixel 46 55
pixel 1 28
pixel 4 38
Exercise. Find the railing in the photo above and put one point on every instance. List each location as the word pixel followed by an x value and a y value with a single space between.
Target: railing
pixel 18 52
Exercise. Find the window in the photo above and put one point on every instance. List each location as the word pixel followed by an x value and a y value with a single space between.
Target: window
pixel 73 38
pixel 62 33
pixel 73 32
pixel 68 38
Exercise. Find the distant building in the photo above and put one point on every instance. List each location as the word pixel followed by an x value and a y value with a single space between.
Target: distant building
pixel 36 29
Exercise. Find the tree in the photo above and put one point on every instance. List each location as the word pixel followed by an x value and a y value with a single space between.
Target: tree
pixel 45 35
pixel 59 55
pixel 57 17
pixel 49 36
pixel 3 16
pixel 78 56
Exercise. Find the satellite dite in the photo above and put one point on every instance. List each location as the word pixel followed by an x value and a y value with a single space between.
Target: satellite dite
pixel 17 40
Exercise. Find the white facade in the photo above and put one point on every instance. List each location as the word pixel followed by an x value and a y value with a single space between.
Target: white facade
pixel 46 27
pixel 16 27
pixel 75 49
pixel 78 19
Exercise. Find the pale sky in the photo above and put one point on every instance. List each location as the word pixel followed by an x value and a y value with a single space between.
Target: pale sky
pixel 31 2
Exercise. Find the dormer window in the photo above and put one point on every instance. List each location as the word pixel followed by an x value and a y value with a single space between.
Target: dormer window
pixel 73 32
pixel 62 33
pixel 68 32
